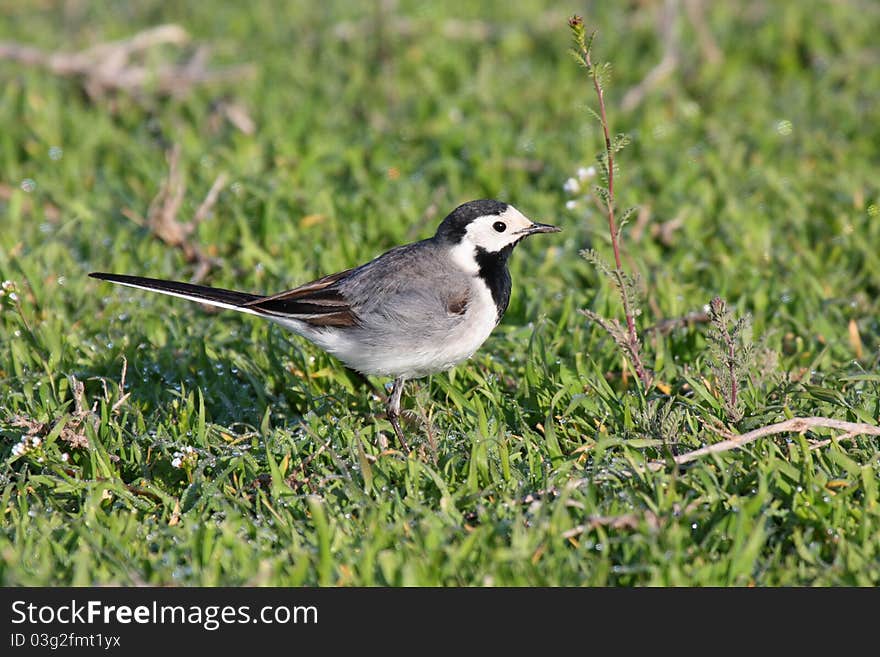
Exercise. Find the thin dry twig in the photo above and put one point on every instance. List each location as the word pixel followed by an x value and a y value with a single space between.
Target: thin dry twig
pixel 210 201
pixel 123 396
pixel 143 492
pixel 671 39
pixel 642 219
pixel 665 326
pixel 668 62
pixel 708 46
pixel 630 520
pixel 794 425
pixel 162 215
pixel 51 211
pixel 118 66
pixel 73 431
pixel 297 482
pixel 453 29
pixel 819 444
pixel 227 109
pixel 626 521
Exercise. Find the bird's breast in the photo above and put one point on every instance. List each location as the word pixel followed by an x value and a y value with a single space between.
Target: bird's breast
pixel 418 348
pixel 435 353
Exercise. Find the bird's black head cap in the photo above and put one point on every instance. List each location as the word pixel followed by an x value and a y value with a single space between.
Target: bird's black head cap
pixel 454 226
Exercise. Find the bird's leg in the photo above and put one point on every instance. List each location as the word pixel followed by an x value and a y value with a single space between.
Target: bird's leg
pixel 393 410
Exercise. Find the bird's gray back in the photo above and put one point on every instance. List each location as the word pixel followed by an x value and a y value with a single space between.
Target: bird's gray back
pixel 409 288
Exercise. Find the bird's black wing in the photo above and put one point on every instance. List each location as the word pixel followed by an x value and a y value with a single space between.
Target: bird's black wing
pixel 319 303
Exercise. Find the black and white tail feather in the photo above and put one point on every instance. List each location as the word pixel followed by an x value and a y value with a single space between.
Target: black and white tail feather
pixel 317 303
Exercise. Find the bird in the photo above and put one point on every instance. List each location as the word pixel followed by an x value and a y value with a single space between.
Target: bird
pixel 415 310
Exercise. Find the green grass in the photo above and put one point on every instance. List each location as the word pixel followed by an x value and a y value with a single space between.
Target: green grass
pixel 768 159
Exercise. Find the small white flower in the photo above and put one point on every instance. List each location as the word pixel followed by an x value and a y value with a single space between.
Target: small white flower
pixel 185 457
pixel 572 186
pixel 18 449
pixel 65 457
pixel 571 205
pixel 585 173
pixel 7 285
pixel 13 296
pixel 36 441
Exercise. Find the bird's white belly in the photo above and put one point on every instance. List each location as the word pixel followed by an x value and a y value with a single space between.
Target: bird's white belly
pixel 416 355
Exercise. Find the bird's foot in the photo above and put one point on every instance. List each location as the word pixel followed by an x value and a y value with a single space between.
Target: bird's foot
pixel 394 419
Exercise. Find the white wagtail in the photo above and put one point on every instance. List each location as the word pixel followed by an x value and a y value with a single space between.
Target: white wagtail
pixel 415 310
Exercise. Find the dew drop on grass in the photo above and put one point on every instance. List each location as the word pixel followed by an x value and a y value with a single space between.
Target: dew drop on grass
pixel 784 127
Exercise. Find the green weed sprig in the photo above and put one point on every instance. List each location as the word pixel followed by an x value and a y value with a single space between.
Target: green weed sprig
pixel 731 353
pixel 628 338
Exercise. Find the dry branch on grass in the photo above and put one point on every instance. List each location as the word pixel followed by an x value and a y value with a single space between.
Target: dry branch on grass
pixel 653 520
pixel 162 215
pixel 74 430
pixel 670 37
pixel 794 425
pixel 51 211
pixel 453 29
pixel 665 326
pixel 120 66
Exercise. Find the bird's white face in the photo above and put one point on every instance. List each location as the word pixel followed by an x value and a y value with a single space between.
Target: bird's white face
pixel 495 231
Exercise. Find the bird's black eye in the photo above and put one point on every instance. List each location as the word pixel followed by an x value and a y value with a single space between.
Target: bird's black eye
pixel 500 226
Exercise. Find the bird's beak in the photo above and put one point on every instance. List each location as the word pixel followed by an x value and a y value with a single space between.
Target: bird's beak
pixel 539 228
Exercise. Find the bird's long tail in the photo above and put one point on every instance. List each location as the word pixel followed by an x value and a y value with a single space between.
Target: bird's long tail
pixel 212 296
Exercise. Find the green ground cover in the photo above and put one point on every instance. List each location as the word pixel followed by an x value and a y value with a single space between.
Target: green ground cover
pixel 239 454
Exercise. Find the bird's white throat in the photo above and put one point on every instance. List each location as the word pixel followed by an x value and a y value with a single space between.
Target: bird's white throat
pixel 464 254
